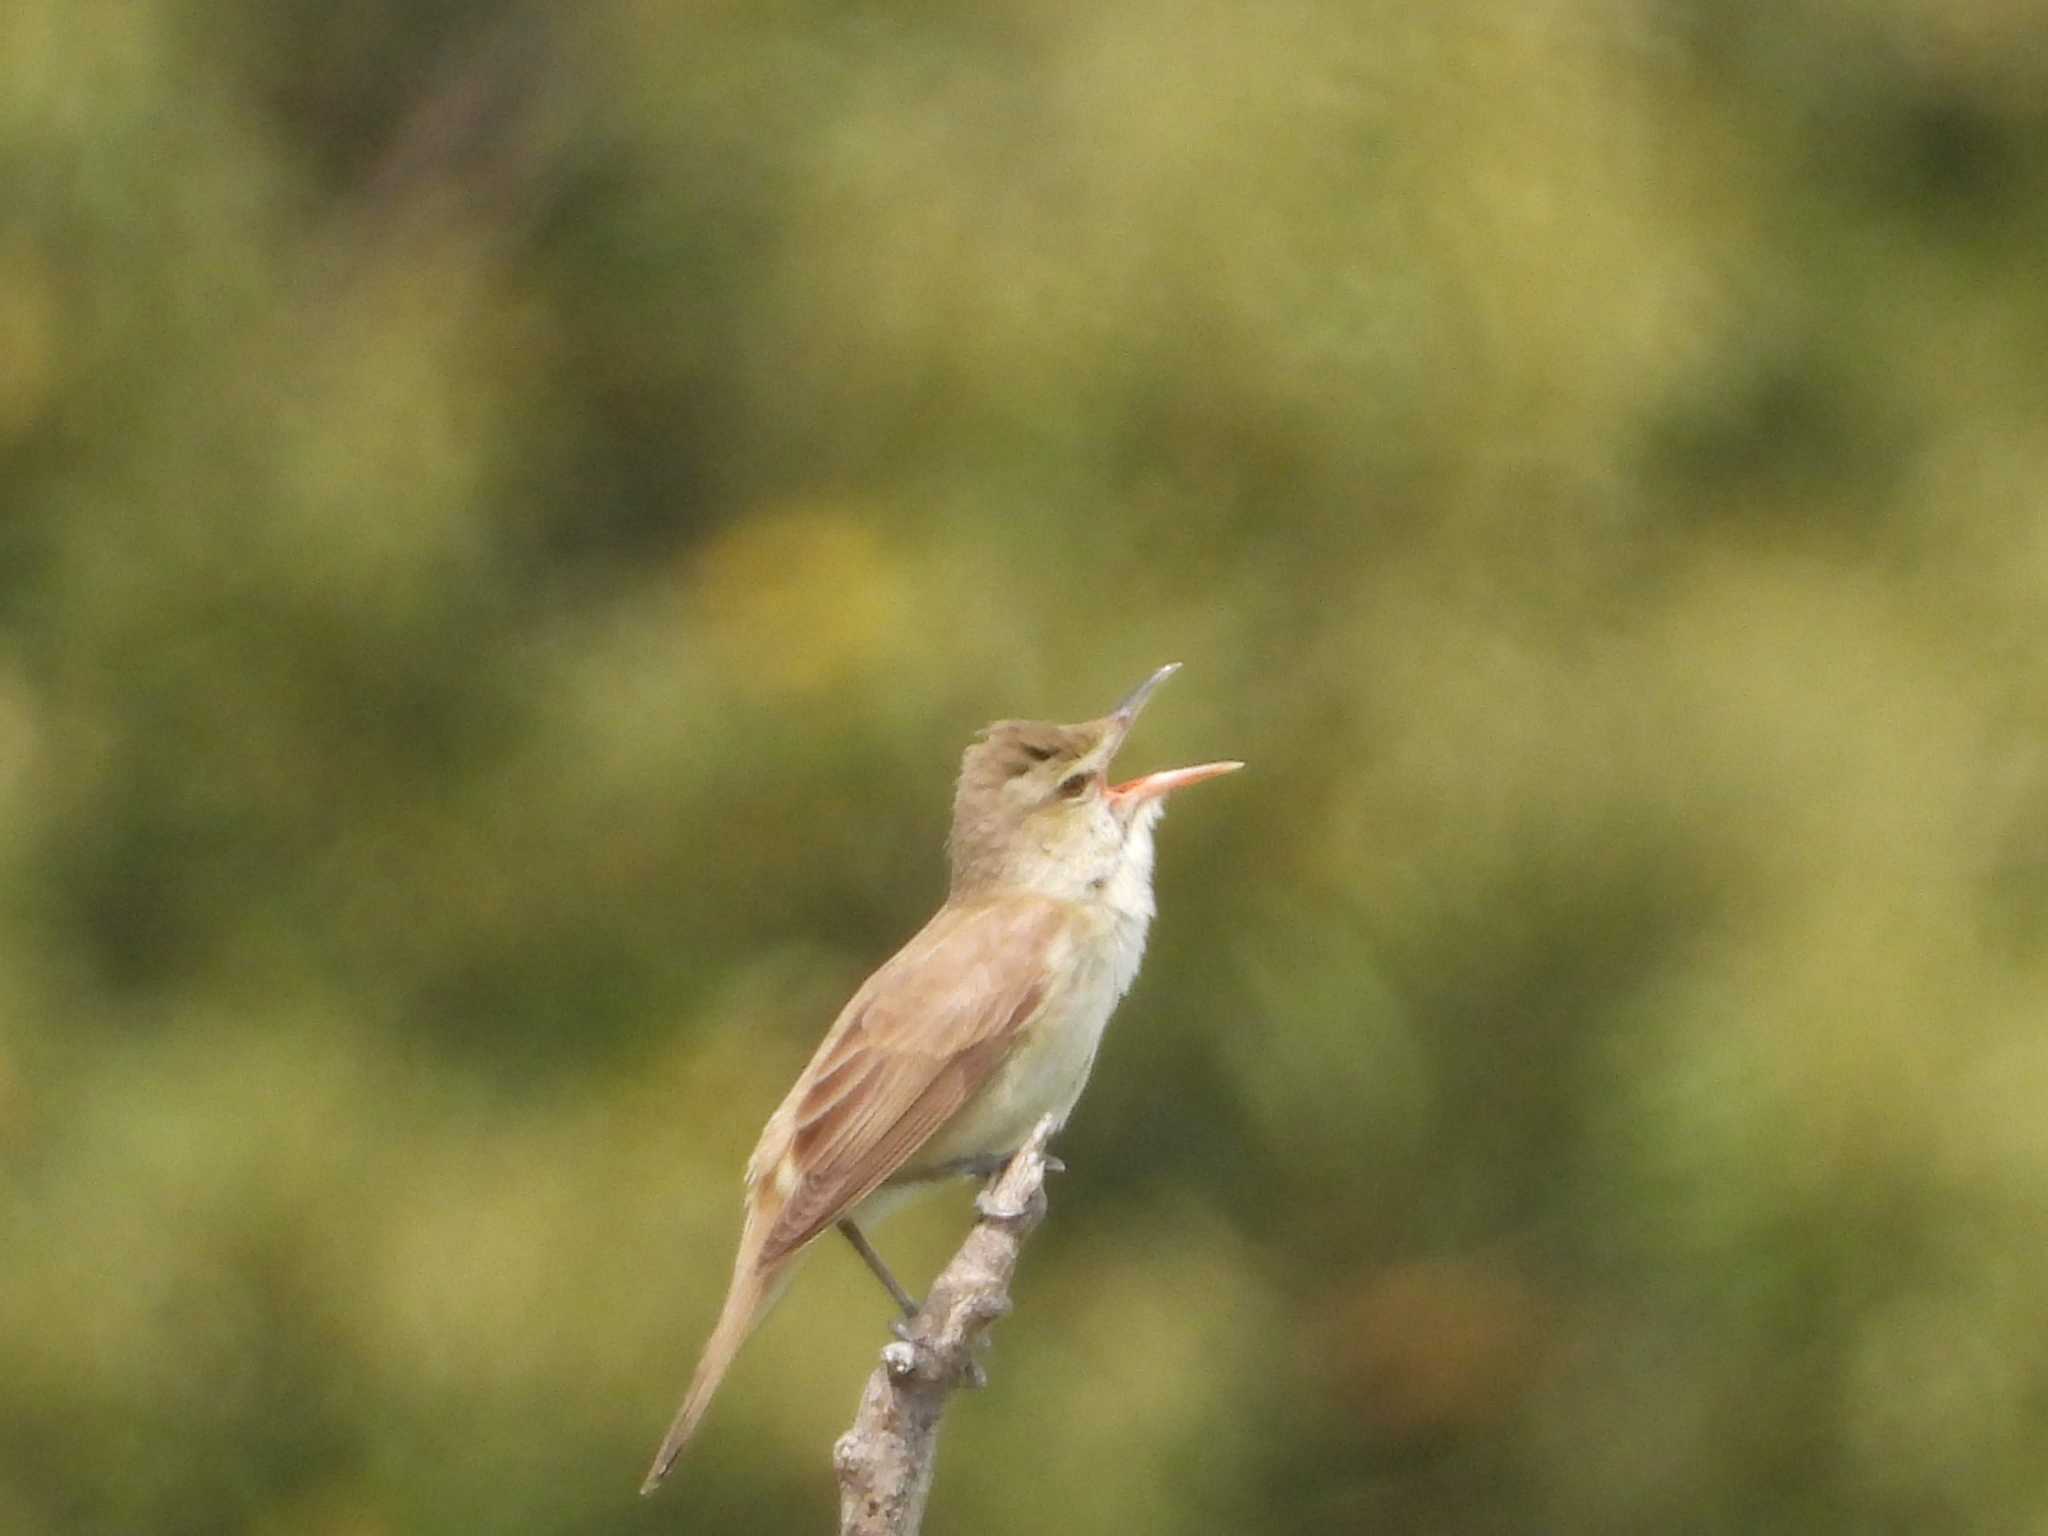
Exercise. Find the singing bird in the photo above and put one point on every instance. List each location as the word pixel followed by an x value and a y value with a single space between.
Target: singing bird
pixel 983 1023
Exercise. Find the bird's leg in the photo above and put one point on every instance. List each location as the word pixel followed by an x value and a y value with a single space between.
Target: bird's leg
pixel 973 1376
pixel 873 1260
pixel 985 1166
pixel 985 1202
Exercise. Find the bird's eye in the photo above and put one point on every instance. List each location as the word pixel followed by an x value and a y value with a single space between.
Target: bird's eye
pixel 1039 754
pixel 1073 785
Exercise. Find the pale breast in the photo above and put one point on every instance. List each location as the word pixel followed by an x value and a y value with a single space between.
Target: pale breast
pixel 1047 1069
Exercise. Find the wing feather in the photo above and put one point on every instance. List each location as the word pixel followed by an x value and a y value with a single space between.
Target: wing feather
pixel 913 1046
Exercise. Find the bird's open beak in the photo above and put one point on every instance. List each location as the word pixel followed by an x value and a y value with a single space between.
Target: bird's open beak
pixel 1152 786
pixel 1126 712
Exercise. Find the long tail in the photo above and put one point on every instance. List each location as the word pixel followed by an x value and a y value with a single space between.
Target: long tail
pixel 753 1291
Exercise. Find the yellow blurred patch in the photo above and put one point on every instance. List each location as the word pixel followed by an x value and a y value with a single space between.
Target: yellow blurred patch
pixel 800 599
pixel 28 326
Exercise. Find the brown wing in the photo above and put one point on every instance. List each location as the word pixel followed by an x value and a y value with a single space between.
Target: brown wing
pixel 928 1029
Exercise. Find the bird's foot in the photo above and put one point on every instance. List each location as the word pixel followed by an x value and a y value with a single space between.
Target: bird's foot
pixel 985 1166
pixel 906 1358
pixel 913 1357
pixel 1006 1212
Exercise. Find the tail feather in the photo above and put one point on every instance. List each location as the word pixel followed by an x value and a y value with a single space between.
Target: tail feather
pixel 753 1289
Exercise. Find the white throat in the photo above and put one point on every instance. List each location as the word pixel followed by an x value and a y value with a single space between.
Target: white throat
pixel 1127 895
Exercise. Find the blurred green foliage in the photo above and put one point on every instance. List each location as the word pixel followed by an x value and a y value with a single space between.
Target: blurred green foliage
pixel 510 514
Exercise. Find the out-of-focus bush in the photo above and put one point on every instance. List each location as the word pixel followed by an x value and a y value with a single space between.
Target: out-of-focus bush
pixel 510 514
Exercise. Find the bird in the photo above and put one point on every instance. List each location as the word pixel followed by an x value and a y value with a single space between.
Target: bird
pixel 987 1020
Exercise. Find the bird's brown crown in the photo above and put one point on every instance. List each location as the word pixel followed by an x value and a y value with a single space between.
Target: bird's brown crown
pixel 1011 747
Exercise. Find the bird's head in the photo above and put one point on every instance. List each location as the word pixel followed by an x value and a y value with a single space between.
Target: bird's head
pixel 1035 807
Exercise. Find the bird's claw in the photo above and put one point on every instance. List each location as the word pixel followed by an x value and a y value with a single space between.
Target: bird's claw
pixel 901 1358
pixel 910 1356
pixel 991 1209
pixel 1003 1212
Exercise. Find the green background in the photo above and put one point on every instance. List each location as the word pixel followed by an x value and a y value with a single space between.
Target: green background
pixel 508 517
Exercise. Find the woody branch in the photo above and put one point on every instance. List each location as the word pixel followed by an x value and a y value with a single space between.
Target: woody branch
pixel 885 1462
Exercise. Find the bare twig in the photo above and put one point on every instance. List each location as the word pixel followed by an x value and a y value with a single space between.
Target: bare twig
pixel 886 1460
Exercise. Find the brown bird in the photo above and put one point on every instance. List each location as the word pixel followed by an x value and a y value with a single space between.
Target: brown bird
pixel 983 1023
